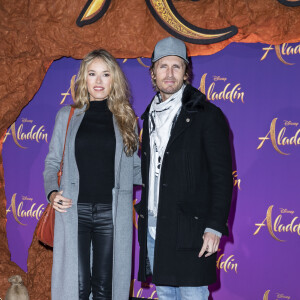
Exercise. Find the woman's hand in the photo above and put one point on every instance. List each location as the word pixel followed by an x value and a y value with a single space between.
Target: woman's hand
pixel 59 202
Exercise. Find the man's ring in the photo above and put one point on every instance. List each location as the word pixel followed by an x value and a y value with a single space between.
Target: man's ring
pixel 60 202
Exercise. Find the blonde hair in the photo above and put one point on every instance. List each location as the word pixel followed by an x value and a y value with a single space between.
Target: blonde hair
pixel 118 98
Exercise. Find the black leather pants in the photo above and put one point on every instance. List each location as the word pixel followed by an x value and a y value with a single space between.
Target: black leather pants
pixel 95 227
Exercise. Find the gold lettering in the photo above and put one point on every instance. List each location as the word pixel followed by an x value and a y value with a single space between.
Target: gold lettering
pixel 65 95
pixel 235 180
pixel 290 49
pixel 152 295
pixel 216 78
pixel 282 140
pixel 272 134
pixel 290 227
pixel 294 139
pixel 280 296
pixel 266 295
pixel 259 225
pixel 268 219
pixel 140 136
pixel 71 89
pixel 228 264
pixel 278 53
pixel 263 139
pixel 210 94
pixel 13 208
pixel 290 123
pixel 278 227
pixel 131 290
pixel 139 293
pixel 285 211
pixel 226 94
pixel 281 50
pixel 267 51
pixel 280 135
pixel 202 83
pixel 25 120
pixel 13 133
pixel 33 134
pixel 21 213
pixel 139 59
pixel 30 213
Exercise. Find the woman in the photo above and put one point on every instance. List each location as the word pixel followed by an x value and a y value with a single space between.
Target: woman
pixel 93 221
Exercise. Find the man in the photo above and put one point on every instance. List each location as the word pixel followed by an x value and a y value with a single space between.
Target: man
pixel 187 180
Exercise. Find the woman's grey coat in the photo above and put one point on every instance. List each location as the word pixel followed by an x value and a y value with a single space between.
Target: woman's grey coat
pixel 64 283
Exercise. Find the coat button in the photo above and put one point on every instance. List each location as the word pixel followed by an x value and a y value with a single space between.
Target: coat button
pixel 188 120
pixel 164 184
pixel 143 184
pixel 142 216
pixel 145 153
pixel 168 153
pixel 196 218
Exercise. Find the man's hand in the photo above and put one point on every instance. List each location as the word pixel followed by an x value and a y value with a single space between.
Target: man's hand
pixel 210 244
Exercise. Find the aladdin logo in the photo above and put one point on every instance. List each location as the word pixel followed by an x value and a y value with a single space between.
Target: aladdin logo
pixel 227 264
pixel 20 212
pixel 278 296
pixel 139 293
pixel 291 226
pixel 33 133
pixel 281 139
pixel 219 89
pixel 282 50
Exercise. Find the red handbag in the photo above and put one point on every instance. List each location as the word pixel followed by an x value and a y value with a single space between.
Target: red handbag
pixel 45 226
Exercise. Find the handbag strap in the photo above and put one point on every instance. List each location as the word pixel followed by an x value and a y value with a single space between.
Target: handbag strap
pixel 62 159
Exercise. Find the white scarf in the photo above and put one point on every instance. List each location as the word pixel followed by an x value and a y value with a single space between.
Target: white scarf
pixel 162 116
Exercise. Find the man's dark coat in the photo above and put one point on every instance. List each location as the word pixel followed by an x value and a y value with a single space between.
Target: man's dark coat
pixel 195 193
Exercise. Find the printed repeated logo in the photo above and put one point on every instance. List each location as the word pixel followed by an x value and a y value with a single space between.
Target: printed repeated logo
pixel 288 135
pixel 278 296
pixel 21 210
pixel 282 50
pixel 219 89
pixel 26 131
pixel 227 263
pixel 285 222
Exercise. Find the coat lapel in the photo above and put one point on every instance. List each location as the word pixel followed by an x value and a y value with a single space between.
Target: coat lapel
pixel 192 102
pixel 74 126
pixel 75 122
pixel 118 153
pixel 183 122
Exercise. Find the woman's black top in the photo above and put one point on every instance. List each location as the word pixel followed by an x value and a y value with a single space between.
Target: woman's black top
pixel 95 146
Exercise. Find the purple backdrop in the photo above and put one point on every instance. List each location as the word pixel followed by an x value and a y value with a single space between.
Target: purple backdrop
pixel 259 93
